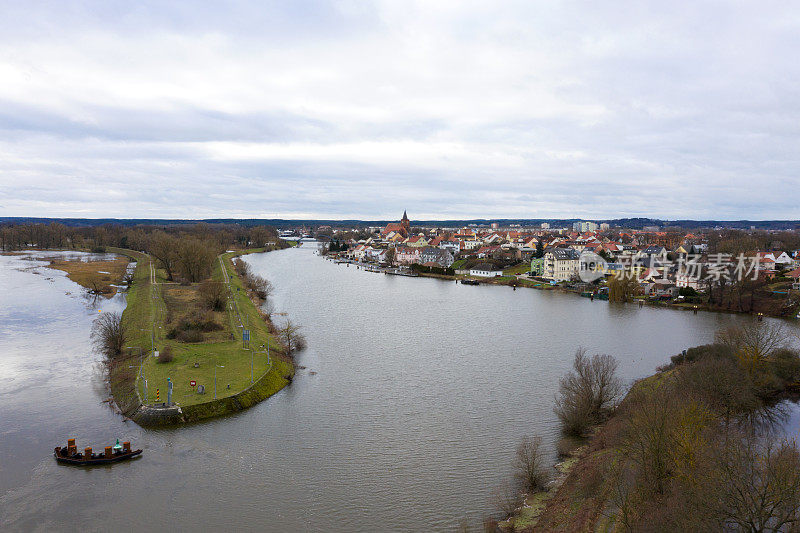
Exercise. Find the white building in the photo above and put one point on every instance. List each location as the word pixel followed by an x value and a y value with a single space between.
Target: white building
pixel 561 264
pixel 583 227
pixel 485 270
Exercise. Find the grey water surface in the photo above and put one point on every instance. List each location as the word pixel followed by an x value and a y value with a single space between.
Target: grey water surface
pixel 405 418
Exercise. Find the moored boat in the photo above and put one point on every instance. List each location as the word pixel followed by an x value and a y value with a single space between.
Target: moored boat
pixel 111 454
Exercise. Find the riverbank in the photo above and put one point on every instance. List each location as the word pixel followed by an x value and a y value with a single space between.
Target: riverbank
pixel 774 307
pixel 218 375
pixel 677 451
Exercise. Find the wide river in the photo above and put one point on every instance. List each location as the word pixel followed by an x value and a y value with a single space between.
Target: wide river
pixel 405 417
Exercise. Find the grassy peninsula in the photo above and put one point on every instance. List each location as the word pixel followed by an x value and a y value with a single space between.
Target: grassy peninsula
pixel 195 343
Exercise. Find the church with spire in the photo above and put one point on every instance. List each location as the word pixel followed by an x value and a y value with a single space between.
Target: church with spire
pixel 400 229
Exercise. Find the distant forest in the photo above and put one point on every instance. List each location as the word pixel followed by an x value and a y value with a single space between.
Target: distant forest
pixel 627 223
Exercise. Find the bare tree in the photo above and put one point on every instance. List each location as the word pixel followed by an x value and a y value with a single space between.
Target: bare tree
pixel 529 464
pixel 291 337
pixel 164 248
pixel 109 334
pixel 196 258
pixel 760 485
pixel 587 393
pixel 622 288
pixel 260 286
pixel 507 498
pixel 390 253
pixel 754 343
pixel 214 295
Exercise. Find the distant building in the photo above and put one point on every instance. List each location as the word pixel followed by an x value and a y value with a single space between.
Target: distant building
pixel 583 227
pixel 402 228
pixel 537 266
pixel 605 226
pixel 561 264
pixel 495 225
pixel 545 225
pixel 439 256
pixel 485 270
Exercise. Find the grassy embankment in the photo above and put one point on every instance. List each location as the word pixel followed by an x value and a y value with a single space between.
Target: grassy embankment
pixel 139 319
pixel 155 308
pixel 217 351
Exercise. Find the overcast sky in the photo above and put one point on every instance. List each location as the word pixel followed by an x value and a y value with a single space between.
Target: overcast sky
pixel 356 109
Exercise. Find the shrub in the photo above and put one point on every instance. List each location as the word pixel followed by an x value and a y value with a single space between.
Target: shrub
pixel 530 464
pixel 587 393
pixel 260 286
pixel 786 364
pixel 214 295
pixel 697 353
pixel 191 328
pixel 507 498
pixel 687 292
pixel 166 355
pixel 189 335
pixel 109 334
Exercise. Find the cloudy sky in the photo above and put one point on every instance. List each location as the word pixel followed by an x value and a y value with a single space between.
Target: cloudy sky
pixel 357 109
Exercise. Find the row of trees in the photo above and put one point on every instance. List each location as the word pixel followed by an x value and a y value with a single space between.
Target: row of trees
pixel 191 257
pixel 58 235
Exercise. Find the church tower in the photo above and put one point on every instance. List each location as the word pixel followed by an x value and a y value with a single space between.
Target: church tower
pixel 405 222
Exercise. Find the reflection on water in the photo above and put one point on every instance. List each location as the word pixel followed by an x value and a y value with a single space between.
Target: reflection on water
pixel 414 395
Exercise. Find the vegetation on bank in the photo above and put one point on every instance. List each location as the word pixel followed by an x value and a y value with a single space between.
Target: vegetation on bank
pixel 696 447
pixel 206 343
pixel 97 277
pixel 195 322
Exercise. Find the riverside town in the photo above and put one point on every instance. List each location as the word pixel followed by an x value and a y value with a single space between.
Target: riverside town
pixel 742 271
pixel 367 267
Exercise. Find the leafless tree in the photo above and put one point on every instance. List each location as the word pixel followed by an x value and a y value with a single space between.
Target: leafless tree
pixel 291 337
pixel 109 334
pixel 214 295
pixel 754 343
pixel 622 288
pixel 260 286
pixel 164 248
pixel 196 258
pixel 507 498
pixel 390 253
pixel 760 485
pixel 588 392
pixel 530 464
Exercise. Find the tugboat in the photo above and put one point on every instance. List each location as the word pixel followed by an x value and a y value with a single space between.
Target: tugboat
pixel 111 454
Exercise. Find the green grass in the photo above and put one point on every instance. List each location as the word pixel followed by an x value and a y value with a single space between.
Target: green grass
pixel 138 318
pixel 518 269
pixel 458 264
pixel 231 361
